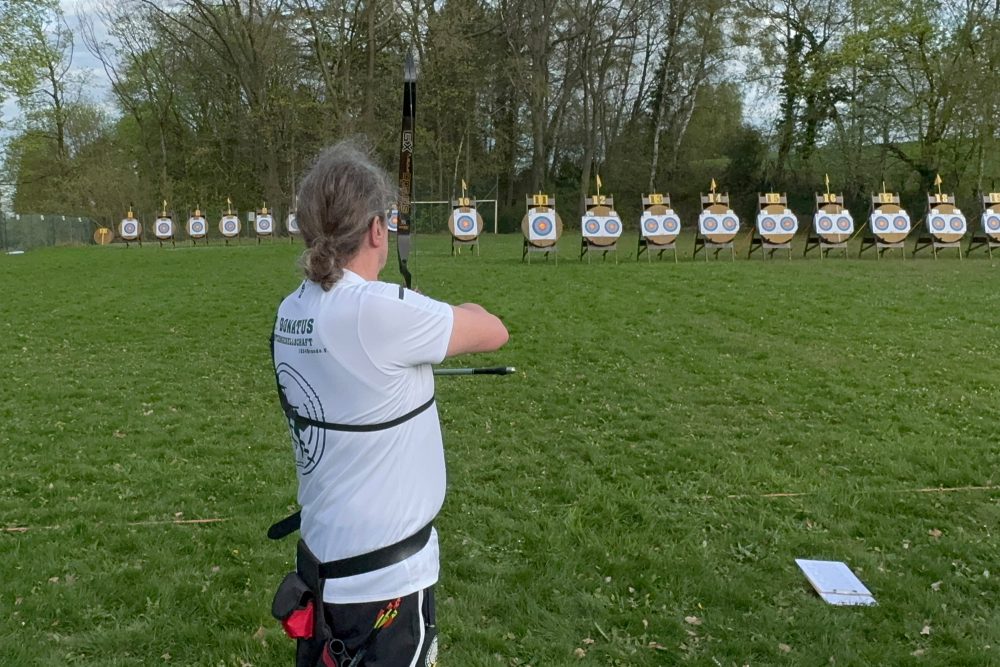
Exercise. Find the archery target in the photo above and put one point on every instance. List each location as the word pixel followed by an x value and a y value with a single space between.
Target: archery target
pixel 197 227
pixel 292 224
pixel 164 228
pixel 718 223
pixel 392 219
pixel 777 223
pixel 945 223
pixel 264 225
pixel 991 223
pixel 542 225
pixel 833 223
pixel 881 222
pixel 129 229
pixel 660 225
pixel 465 223
pixel 601 226
pixel 229 226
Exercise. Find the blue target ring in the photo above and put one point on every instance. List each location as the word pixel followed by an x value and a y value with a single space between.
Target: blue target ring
pixel 671 225
pixel 787 223
pixel 541 226
pixel 768 224
pixel 825 224
pixel 729 223
pixel 881 223
pixel 164 228
pixel 900 223
pixel 612 226
pixel 465 224
pixel 229 226
pixel 992 223
pixel 843 224
pixel 591 226
pixel 957 224
pixel 651 225
pixel 711 224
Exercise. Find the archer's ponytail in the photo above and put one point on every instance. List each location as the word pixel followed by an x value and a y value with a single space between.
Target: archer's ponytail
pixel 340 195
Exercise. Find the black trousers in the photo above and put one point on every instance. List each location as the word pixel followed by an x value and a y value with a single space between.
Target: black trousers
pixel 409 640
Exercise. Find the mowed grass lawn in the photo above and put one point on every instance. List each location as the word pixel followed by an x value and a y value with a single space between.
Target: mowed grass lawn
pixel 611 504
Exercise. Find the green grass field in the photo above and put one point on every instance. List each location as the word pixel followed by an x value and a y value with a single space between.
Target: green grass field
pixel 611 504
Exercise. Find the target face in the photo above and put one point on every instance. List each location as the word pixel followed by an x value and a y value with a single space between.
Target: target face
pixel 309 443
pixel 292 224
pixel 465 223
pixel 880 222
pixel 541 226
pixel 229 226
pixel 613 227
pixel 957 223
pixel 789 223
pixel 667 224
pixel 264 224
pixel 937 222
pixel 711 224
pixel 591 227
pixel 768 224
pixel 196 227
pixel 991 222
pixel 730 223
pixel 129 228
pixel 393 220
pixel 901 223
pixel 164 228
pixel 833 223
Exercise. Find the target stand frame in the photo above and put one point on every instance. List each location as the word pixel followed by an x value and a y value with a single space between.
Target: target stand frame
pixel 702 242
pixel 990 203
pixel 157 218
pixel 587 246
pixel 926 239
pixel 829 203
pixel 648 244
pixel 757 241
pixel 138 237
pixel 527 247
pixel 458 243
pixel 870 240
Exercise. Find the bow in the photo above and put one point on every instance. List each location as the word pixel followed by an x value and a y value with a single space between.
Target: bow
pixel 406 167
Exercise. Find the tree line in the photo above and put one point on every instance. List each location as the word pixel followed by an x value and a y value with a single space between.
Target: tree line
pixel 232 98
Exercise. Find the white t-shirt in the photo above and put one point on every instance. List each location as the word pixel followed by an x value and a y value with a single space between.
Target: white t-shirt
pixel 359 354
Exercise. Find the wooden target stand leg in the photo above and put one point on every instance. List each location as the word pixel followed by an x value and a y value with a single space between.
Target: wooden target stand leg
pixel 701 243
pixel 645 246
pixel 527 249
pixel 976 242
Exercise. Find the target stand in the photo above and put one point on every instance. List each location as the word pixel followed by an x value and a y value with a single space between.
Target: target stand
pixel 888 226
pixel 832 226
pixel 163 228
pixel 990 221
pixel 263 224
pixel 541 227
pixel 229 227
pixel 465 225
pixel 197 227
pixel 776 226
pixel 600 228
pixel 946 225
pixel 130 230
pixel 718 226
pixel 292 226
pixel 659 227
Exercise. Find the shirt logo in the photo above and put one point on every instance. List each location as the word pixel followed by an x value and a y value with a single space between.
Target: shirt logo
pixel 308 442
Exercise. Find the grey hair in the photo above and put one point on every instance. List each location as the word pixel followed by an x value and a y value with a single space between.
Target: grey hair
pixel 340 195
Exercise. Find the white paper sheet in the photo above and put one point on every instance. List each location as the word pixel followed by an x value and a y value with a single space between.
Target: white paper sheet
pixel 835 582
